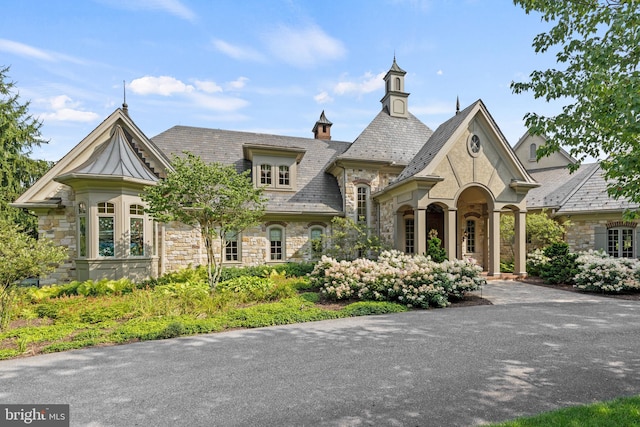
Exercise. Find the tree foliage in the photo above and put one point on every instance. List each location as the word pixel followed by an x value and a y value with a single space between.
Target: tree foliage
pixel 213 196
pixel 541 231
pixel 598 52
pixel 350 240
pixel 22 257
pixel 19 133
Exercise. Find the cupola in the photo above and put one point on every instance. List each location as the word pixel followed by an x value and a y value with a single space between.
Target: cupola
pixel 395 98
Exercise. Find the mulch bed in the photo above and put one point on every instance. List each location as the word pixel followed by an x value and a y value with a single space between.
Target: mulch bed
pixel 632 296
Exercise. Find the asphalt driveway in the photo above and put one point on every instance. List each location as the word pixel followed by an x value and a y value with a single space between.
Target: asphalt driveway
pixel 534 350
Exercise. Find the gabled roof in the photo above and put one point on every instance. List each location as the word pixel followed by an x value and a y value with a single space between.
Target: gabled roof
pixel 46 187
pixel 389 139
pixel 115 158
pixel 435 143
pixel 317 191
pixel 584 191
pixel 445 134
pixel 561 151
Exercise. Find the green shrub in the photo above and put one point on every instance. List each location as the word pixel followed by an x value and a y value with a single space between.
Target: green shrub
pixel 47 310
pixel 173 329
pixel 366 308
pixel 434 247
pixel 313 297
pixel 561 267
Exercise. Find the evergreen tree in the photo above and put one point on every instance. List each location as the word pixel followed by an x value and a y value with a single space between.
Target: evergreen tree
pixel 19 134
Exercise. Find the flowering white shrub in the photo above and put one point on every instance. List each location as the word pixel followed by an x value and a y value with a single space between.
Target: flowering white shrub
pixel 601 272
pixel 536 260
pixel 413 280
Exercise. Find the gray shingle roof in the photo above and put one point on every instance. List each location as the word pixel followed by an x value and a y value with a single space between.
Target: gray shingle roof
pixel 583 191
pixel 435 143
pixel 317 191
pixel 116 158
pixel 392 139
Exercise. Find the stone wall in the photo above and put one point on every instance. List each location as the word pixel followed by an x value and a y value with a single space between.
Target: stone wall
pixel 59 226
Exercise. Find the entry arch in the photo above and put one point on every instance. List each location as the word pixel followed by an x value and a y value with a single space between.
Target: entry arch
pixel 477 227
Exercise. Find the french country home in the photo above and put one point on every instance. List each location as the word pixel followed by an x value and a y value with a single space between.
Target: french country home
pixel 399 177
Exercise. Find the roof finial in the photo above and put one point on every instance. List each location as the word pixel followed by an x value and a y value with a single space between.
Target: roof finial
pixel 125 107
pixel 457 104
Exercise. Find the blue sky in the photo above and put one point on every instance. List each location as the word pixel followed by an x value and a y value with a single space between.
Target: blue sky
pixel 267 66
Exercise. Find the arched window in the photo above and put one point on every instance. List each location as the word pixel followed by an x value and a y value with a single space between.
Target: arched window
pixel 316 240
pixel 232 246
pixel 276 243
pixel 409 235
pixel 106 229
pixel 362 204
pixel 265 174
pixel 532 152
pixel 620 242
pixel 82 229
pixel 470 231
pixel 136 230
pixel 398 84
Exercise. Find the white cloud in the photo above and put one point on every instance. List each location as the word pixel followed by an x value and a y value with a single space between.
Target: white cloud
pixel 237 52
pixel 439 72
pixel 174 7
pixel 207 86
pixel 199 94
pixel 238 83
pixel 323 98
pixel 163 85
pixel 366 84
pixel 65 110
pixel 304 47
pixel 22 49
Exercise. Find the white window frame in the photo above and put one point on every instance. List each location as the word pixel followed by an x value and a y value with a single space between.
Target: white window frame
pixel 283 246
pixel 615 247
pixel 366 190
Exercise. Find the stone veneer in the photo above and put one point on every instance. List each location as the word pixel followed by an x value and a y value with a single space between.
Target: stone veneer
pixel 59 225
pixel 183 245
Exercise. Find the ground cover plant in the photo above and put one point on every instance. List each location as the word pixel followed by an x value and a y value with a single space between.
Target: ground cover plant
pixel 83 314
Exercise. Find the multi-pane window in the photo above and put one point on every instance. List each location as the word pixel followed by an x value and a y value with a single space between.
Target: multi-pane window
pixel 106 223
pixel 362 205
pixel 409 235
pixel 136 231
pixel 231 249
pixel 283 175
pixel 620 242
pixel 276 244
pixel 82 229
pixel 265 174
pixel 470 230
pixel 315 236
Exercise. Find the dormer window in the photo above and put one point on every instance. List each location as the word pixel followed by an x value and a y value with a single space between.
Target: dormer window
pixel 274 167
pixel 284 175
pixel 265 174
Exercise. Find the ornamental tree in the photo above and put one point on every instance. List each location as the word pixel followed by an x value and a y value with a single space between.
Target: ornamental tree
pixel 598 51
pixel 19 133
pixel 214 197
pixel 22 257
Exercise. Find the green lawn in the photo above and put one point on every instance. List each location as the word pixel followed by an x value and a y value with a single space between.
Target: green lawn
pixel 622 412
